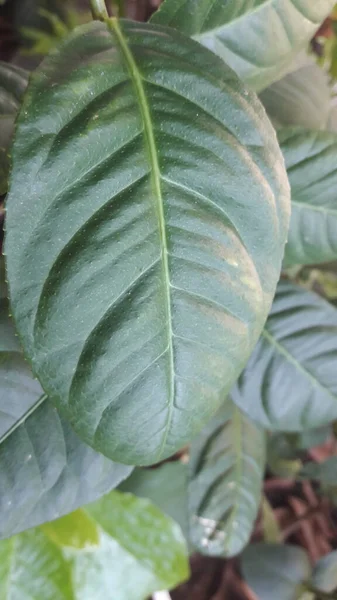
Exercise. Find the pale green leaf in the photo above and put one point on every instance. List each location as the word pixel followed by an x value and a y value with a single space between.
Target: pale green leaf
pixel 140 272
pixel 271 531
pixel 275 571
pixel 45 470
pixel 226 469
pixel 310 158
pixel 257 38
pixel 120 548
pixel 290 381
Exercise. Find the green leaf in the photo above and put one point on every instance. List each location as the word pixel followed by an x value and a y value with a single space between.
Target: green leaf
pixel 140 272
pixel 13 82
pixel 226 469
pixel 92 552
pixel 301 98
pixel 258 38
pixel 310 158
pixel 166 487
pixel 325 573
pixel 31 566
pixel 271 531
pixel 325 472
pixel 290 381
pixel 275 570
pixel 45 470
pixel 282 456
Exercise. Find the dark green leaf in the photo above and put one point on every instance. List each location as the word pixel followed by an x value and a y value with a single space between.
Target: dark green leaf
pixel 290 382
pixel 275 571
pixel 282 455
pixel 13 82
pixel 226 469
pixel 165 486
pixel 258 38
pixel 325 472
pixel 141 273
pixel 310 158
pixel 325 573
pixel 45 470
pixel 121 547
pixel 301 98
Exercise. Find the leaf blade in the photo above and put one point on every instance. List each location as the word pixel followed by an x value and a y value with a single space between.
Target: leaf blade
pixel 219 277
pixel 45 470
pixel 310 162
pixel 240 32
pixel 296 350
pixel 226 469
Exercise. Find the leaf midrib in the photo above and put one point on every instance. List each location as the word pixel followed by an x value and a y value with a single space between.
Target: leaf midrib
pixel 137 81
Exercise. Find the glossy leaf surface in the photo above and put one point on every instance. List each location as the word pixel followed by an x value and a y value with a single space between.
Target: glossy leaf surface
pixel 276 569
pixel 45 470
pixel 140 272
pixel 226 469
pixel 290 381
pixel 257 38
pixel 91 553
pixel 310 158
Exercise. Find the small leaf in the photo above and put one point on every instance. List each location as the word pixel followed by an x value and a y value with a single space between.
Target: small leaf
pixel 258 39
pixel 271 531
pixel 140 272
pixel 301 98
pixel 290 381
pixel 310 158
pixel 226 469
pixel 276 571
pixel 324 577
pixel 165 486
pixel 45 470
pixel 92 552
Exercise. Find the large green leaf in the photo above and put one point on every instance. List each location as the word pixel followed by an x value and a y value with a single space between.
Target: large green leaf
pixel 290 381
pixel 45 470
pixel 257 38
pixel 143 260
pixel 310 158
pixel 301 98
pixel 275 571
pixel 13 82
pixel 226 470
pixel 121 547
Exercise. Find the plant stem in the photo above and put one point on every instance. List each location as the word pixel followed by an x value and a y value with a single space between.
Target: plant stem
pixel 99 10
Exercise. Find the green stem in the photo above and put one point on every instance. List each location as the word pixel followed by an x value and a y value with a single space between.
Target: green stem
pixel 99 10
